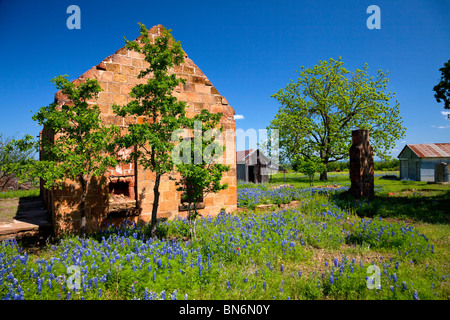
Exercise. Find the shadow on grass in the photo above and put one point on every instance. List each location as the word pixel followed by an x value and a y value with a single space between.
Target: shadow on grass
pixel 425 208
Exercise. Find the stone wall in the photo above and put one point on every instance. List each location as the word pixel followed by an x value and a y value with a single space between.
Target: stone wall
pixel 117 74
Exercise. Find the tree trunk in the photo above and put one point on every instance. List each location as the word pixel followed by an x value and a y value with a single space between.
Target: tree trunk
pixel 155 205
pixel 323 175
pixel 82 207
pixel 190 219
pixel 194 221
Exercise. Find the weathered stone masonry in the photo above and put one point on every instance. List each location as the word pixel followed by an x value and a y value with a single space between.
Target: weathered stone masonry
pixel 127 191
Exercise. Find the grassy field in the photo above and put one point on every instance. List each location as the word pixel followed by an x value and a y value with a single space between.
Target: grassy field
pixel 394 198
pixel 329 247
pixel 19 193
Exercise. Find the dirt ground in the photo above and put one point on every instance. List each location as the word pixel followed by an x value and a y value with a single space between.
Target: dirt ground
pixel 8 209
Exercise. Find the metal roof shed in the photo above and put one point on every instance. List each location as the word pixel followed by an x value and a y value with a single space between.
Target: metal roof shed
pixel 418 161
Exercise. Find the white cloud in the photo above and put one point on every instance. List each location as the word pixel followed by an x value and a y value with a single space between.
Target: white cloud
pixel 444 127
pixel 446 114
pixel 403 141
pixel 238 117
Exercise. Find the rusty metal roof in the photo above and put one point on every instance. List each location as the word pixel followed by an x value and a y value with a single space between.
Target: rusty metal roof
pixel 431 150
pixel 240 155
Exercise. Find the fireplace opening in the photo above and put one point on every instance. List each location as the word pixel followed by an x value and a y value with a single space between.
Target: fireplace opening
pixel 119 188
pixel 121 193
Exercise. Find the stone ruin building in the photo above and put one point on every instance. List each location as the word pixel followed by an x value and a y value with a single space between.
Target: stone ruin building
pixel 126 192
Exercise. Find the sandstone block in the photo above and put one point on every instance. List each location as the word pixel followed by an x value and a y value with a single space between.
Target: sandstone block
pixel 197 79
pixel 128 70
pixel 105 98
pixel 120 77
pixel 113 67
pixel 136 63
pixel 119 99
pixel 123 60
pixel 188 70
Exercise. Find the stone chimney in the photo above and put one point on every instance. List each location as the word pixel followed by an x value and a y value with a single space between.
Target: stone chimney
pixel 361 165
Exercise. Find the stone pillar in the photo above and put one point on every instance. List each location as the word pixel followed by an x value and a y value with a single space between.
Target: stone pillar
pixel 361 165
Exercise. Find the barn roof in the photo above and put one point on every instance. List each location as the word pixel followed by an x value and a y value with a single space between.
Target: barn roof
pixel 430 150
pixel 240 155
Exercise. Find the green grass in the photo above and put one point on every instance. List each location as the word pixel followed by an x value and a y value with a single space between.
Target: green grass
pixel 19 193
pixel 394 198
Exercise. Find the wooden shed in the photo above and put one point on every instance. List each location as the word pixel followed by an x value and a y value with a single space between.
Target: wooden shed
pixel 254 166
pixel 420 162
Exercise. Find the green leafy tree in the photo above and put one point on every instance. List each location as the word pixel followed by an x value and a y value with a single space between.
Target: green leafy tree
pixel 81 145
pixel 309 167
pixel 327 101
pixel 442 89
pixel 197 162
pixel 153 101
pixel 13 157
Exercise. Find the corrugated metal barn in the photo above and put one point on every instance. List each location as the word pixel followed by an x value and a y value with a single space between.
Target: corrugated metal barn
pixel 421 162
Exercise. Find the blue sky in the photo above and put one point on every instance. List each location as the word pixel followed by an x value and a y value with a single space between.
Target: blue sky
pixel 248 49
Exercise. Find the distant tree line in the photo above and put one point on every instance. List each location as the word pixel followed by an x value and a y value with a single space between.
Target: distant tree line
pixel 391 165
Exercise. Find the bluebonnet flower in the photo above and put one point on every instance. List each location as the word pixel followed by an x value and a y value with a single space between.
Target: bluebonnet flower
pixel 404 285
pixel 228 284
pixel 416 296
pixel 264 286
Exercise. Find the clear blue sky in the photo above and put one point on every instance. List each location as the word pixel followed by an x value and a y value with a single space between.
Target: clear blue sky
pixel 248 49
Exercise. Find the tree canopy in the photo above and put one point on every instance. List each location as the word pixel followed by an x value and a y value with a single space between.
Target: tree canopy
pixel 153 101
pixel 319 111
pixel 197 162
pixel 442 89
pixel 80 145
pixel 13 158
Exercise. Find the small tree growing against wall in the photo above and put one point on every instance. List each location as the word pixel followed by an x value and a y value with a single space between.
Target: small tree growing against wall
pixel 197 165
pixel 153 101
pixel 81 145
